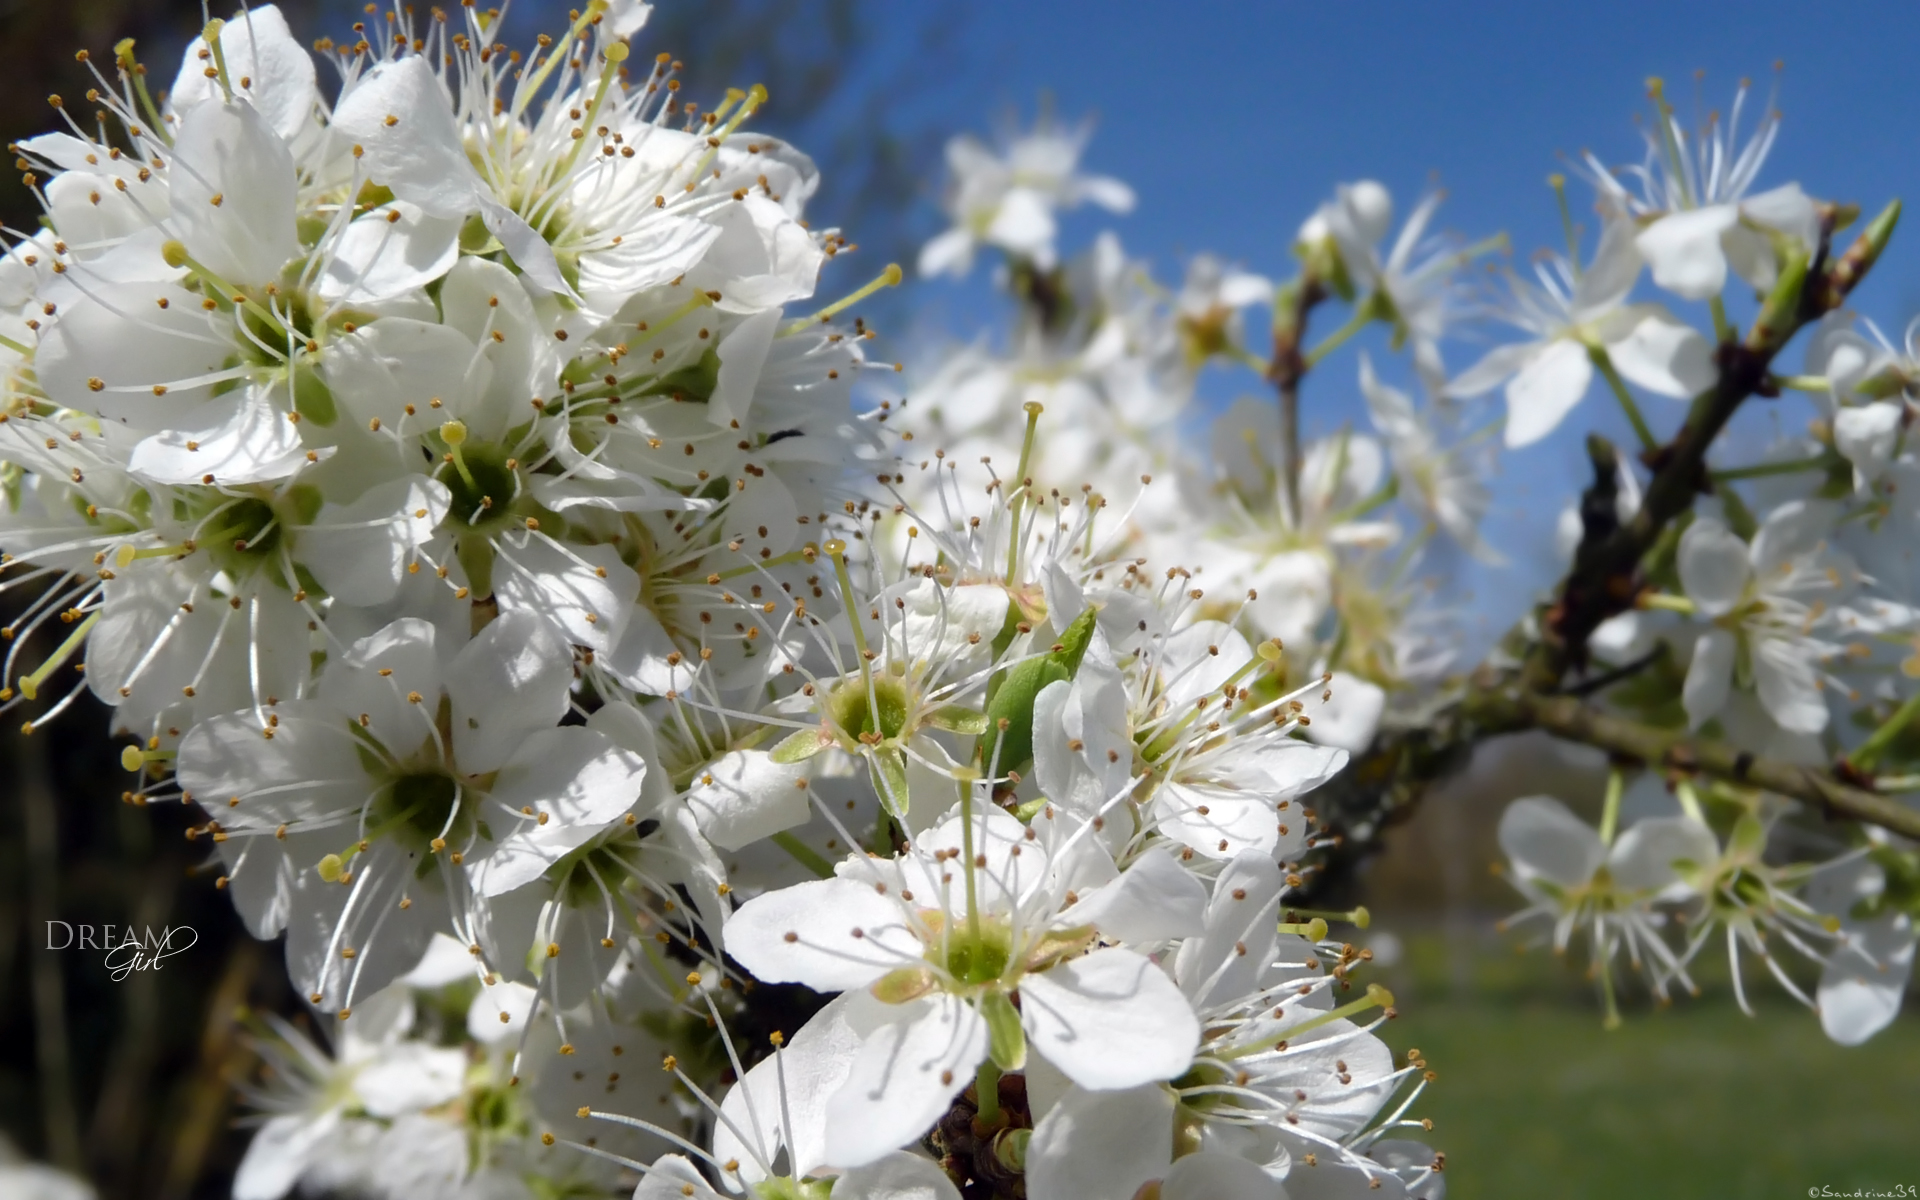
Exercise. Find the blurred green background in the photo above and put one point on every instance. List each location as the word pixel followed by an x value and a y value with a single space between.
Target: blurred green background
pixel 1534 1098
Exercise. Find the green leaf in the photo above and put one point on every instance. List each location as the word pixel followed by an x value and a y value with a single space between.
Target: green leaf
pixel 956 719
pixel 1013 701
pixel 798 747
pixel 1006 1041
pixel 1740 518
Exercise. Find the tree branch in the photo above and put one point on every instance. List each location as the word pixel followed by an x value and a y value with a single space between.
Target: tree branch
pixel 1605 576
pixel 1569 718
pixel 1290 312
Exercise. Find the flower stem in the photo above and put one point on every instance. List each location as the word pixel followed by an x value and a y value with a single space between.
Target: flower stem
pixel 1815 384
pixel 1666 603
pixel 1363 315
pixel 803 854
pixel 1603 362
pixel 1690 801
pixel 1722 328
pixel 1611 1021
pixel 986 1087
pixel 1785 467
pixel 1870 750
pixel 1610 813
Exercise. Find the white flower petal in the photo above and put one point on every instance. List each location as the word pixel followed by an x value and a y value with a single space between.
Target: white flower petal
pixel 1545 840
pixel 377 257
pixel 1101 1145
pixel 359 552
pixel 1788 684
pixel 742 353
pixel 1544 391
pixel 1227 960
pixel 1866 436
pixel 1215 1176
pixel 1496 367
pixel 1348 717
pixel 1643 858
pixel 1683 249
pixel 949 253
pixel 400 116
pixel 1709 676
pixel 93 340
pixel 1024 225
pixel 530 251
pixel 673 1177
pixel 1200 658
pixel 1665 355
pixel 1863 982
pixel 806 934
pixel 578 780
pixel 744 796
pixel 265 63
pixel 1610 275
pixel 1153 900
pixel 1109 1020
pixel 904 1077
pixel 234 192
pixel 1791 531
pixel 510 682
pixel 898 1176
pixel 1714 568
pixel 504 999
pixel 253 442
pixel 583 591
pixel 279 1152
pixel 783 1099
pixel 381 369
pixel 411 1076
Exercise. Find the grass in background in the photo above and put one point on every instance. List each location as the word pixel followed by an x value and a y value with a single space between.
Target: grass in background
pixel 1534 1099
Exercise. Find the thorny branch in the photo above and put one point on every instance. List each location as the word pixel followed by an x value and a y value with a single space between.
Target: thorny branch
pixel 1568 717
pixel 1289 366
pixel 1606 578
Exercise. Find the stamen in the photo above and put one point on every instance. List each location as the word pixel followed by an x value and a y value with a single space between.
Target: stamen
pixel 30 684
pixel 1033 410
pixel 888 278
pixel 1376 997
pixel 454 434
pixel 136 759
pixel 123 55
pixel 175 255
pixel 212 38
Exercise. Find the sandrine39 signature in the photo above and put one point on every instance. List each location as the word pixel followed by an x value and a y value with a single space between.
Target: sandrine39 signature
pixel 125 951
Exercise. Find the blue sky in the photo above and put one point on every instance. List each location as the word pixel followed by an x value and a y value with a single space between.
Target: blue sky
pixel 1232 121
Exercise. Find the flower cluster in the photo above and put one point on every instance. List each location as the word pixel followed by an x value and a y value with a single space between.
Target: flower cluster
pixel 1774 615
pixel 433 479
